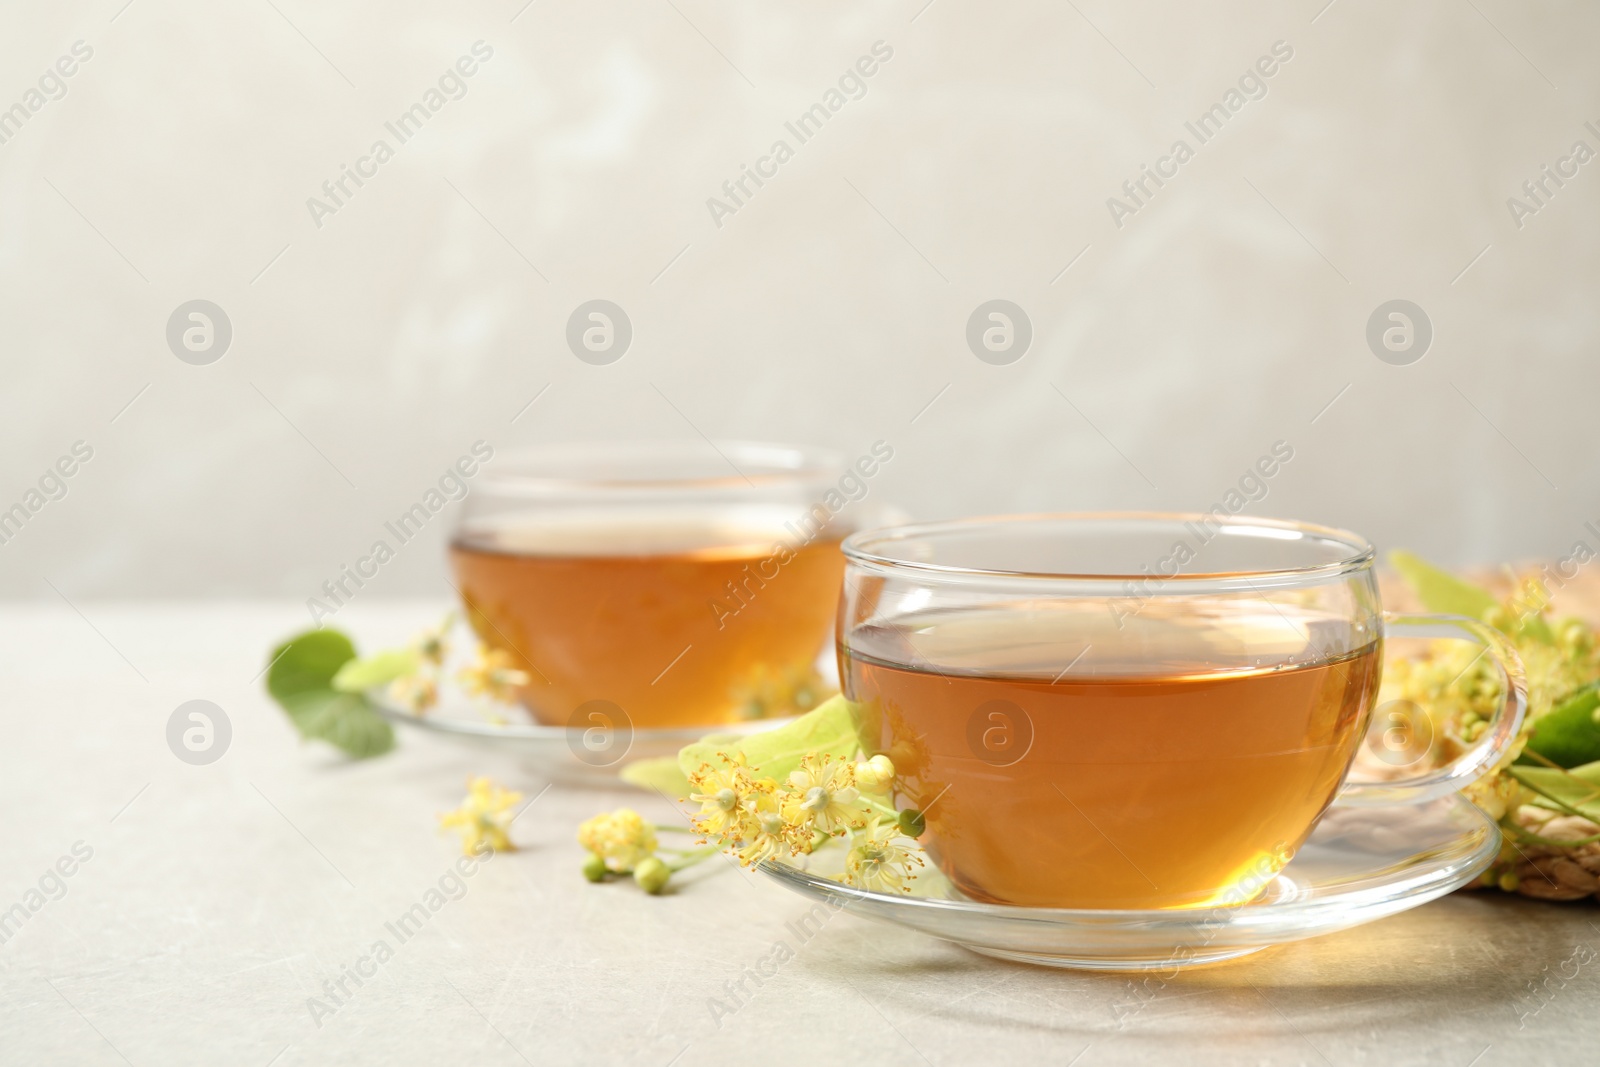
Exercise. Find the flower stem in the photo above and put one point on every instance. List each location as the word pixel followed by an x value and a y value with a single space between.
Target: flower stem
pixel 691 858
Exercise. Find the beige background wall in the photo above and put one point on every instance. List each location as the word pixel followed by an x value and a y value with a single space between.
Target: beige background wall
pixel 369 352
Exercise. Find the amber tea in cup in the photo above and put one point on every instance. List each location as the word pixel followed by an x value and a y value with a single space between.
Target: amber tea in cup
pixel 681 585
pixel 1085 726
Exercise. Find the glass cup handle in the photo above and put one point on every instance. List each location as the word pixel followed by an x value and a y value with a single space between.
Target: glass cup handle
pixel 1502 730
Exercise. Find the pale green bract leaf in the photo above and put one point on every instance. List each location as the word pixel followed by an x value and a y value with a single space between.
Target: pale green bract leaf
pixel 827 730
pixel 661 774
pixel 1577 789
pixel 1439 590
pixel 369 672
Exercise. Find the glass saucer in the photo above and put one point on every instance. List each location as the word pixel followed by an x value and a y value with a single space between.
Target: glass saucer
pixel 1360 864
pixel 567 756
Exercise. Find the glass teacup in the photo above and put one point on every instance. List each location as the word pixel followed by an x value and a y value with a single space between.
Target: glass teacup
pixel 1128 711
pixel 657 584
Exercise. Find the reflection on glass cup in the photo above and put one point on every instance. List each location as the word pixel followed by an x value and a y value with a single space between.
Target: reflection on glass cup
pixel 683 584
pixel 1128 710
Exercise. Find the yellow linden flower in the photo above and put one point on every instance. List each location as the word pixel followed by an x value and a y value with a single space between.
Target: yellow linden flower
pixel 766 835
pixel 434 645
pixel 494 674
pixel 483 817
pixel 622 839
pixel 419 692
pixel 721 793
pixel 823 796
pixel 1461 688
pixel 767 693
pixel 876 863
pixel 1497 794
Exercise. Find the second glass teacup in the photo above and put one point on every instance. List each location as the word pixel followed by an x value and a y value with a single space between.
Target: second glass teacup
pixel 657 584
pixel 1128 711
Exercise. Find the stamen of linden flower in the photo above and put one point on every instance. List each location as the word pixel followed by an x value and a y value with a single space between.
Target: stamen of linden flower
pixel 759 819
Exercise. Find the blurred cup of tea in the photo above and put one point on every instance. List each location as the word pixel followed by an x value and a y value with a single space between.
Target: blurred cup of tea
pixel 681 583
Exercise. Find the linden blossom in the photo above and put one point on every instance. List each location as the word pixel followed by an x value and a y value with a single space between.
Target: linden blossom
pixel 405 127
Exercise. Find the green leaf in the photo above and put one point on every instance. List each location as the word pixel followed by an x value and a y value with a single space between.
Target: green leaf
pixel 1440 590
pixel 307 662
pixel 381 668
pixel 1568 735
pixel 344 720
pixel 828 729
pixel 301 680
pixel 661 774
pixel 1575 791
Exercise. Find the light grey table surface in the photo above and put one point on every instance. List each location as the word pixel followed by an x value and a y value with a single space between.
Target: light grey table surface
pixel 218 899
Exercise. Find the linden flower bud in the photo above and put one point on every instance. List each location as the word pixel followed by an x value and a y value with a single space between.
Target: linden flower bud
pixel 876 775
pixel 652 875
pixel 1576 637
pixel 594 868
pixel 912 822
